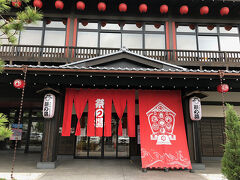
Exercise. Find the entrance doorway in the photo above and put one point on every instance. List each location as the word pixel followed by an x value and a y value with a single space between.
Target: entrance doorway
pixel 103 147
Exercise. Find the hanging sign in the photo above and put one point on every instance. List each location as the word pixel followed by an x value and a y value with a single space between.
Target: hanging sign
pixel 195 108
pixel 17 132
pixel 99 113
pixel 49 106
pixel 162 130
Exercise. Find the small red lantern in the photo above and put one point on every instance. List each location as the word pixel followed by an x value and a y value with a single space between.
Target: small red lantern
pixel 103 24
pixel 183 9
pixel 19 83
pixel 157 25
pixel 64 21
pixel 222 88
pixel 210 27
pixel 228 27
pixel 102 6
pixel 16 3
pixel 163 9
pixel 84 23
pixel 37 3
pixel 80 5
pixel 122 7
pixel 204 10
pixel 224 11
pixel 139 25
pixel 192 26
pixel 48 21
pixel 59 5
pixel 121 24
pixel 143 8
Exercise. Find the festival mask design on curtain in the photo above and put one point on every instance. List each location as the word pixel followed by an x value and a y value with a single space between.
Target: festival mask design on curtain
pixel 161 120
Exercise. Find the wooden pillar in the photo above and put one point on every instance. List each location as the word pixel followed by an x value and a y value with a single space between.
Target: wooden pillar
pixel 192 134
pixel 49 144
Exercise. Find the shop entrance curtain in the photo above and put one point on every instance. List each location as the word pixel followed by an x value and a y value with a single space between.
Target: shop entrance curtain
pixel 162 130
pixel 99 110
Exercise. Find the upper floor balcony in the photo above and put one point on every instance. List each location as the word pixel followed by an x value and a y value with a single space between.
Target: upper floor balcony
pixel 58 55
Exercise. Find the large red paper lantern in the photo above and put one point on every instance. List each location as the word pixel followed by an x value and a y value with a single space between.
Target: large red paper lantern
pixel 228 27
pixel 222 88
pixel 163 9
pixel 224 11
pixel 139 25
pixel 183 9
pixel 19 83
pixel 143 8
pixel 122 7
pixel 80 5
pixel 84 23
pixel 102 6
pixel 59 5
pixel 37 3
pixel 210 27
pixel 16 3
pixel 204 10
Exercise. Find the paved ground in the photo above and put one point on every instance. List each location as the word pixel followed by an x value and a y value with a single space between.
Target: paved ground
pixel 92 169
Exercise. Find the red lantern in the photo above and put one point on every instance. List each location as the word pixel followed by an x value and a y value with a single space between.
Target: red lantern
pixel 64 21
pixel 164 9
pixel 59 4
pixel 204 10
pixel 143 8
pixel 210 27
pixel 80 5
pixel 224 11
pixel 192 26
pixel 184 9
pixel 103 24
pixel 84 23
pixel 48 21
pixel 102 6
pixel 228 27
pixel 121 24
pixel 16 3
pixel 222 88
pixel 157 25
pixel 122 7
pixel 37 3
pixel 139 25
pixel 19 83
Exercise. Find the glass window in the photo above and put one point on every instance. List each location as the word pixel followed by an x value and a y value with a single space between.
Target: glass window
pixel 233 30
pixel 153 28
pixel 87 39
pixel 204 29
pixel 229 43
pixel 88 26
pixel 131 27
pixel 111 26
pixel 54 38
pixel 56 24
pixel 31 37
pixel 154 41
pixel 208 43
pixel 184 29
pixel 110 40
pixel 186 42
pixel 37 24
pixel 132 40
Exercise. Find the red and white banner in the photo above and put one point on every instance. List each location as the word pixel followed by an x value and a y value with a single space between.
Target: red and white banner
pixel 162 130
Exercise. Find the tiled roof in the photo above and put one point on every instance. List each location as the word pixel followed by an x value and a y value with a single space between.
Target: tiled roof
pixel 120 69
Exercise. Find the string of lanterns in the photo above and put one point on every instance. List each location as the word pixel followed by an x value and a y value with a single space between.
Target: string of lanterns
pixel 143 8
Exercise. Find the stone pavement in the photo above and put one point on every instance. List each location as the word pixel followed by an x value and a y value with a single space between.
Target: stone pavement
pixel 100 169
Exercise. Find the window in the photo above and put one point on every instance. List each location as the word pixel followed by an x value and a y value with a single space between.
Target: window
pixel 207 38
pixel 112 35
pixel 40 33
